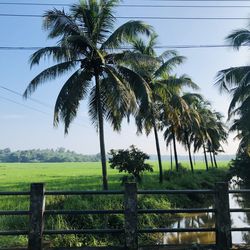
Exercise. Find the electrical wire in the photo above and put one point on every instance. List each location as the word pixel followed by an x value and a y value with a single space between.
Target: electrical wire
pixel 19 94
pixel 133 5
pixel 34 109
pixel 192 46
pixel 32 99
pixel 141 17
pixel 200 0
pixel 21 104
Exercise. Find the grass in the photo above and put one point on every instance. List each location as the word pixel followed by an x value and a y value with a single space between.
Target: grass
pixel 87 176
pixel 69 176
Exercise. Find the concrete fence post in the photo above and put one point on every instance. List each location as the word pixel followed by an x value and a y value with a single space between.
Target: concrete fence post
pixel 222 217
pixel 36 222
pixel 130 206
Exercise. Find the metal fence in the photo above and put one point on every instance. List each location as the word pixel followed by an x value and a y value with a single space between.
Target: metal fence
pixel 37 215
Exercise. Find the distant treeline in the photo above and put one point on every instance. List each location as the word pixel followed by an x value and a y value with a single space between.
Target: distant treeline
pixel 45 155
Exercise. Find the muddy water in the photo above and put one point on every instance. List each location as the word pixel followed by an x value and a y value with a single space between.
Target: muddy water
pixel 202 220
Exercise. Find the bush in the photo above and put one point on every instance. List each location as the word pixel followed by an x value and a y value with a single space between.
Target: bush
pixel 131 161
pixel 240 167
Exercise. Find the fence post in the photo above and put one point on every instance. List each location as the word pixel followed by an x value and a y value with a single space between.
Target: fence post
pixel 222 216
pixel 130 206
pixel 36 223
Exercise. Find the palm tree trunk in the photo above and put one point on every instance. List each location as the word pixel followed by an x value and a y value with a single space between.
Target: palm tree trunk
pixel 215 162
pixel 211 159
pixel 190 156
pixel 205 155
pixel 171 157
pixel 101 134
pixel 175 152
pixel 194 160
pixel 158 153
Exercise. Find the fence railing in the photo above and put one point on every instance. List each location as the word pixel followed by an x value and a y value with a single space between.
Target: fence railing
pixel 37 212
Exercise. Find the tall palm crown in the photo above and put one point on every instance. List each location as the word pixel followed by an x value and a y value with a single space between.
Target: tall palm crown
pixel 236 81
pixel 86 39
pixel 178 116
pixel 157 75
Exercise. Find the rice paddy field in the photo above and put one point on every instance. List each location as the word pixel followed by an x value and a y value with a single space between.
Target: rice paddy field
pixel 70 176
pixel 87 176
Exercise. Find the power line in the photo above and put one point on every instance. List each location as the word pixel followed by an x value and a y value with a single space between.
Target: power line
pixel 34 100
pixel 183 18
pixel 202 0
pixel 141 17
pixel 34 109
pixel 192 46
pixel 21 104
pixel 19 94
pixel 134 5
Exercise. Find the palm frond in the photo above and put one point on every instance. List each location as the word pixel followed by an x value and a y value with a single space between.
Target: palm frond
pixel 80 42
pixel 68 100
pixel 175 84
pixel 169 65
pixel 168 54
pixel 96 16
pixel 105 21
pixel 137 84
pixel 116 104
pixel 93 106
pixel 126 33
pixel 59 24
pixel 239 37
pixel 239 95
pixel 50 73
pixel 57 53
pixel 121 86
pixel 231 77
pixel 139 45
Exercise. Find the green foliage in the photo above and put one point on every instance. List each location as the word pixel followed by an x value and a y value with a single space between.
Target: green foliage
pixel 45 155
pixel 240 167
pixel 235 80
pixel 200 179
pixel 131 161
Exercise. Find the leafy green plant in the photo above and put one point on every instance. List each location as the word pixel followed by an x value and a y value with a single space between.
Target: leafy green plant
pixel 240 167
pixel 131 161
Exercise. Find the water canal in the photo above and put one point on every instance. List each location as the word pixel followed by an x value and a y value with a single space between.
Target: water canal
pixel 202 220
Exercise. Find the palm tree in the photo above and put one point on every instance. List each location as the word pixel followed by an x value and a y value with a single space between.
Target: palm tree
pixel 148 116
pixel 86 39
pixel 236 81
pixel 211 131
pixel 190 123
pixel 217 135
pixel 175 111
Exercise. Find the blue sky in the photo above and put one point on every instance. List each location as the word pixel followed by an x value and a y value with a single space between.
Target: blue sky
pixel 24 128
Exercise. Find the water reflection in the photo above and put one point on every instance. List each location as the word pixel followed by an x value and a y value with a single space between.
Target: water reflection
pixel 199 220
pixel 240 219
pixel 206 220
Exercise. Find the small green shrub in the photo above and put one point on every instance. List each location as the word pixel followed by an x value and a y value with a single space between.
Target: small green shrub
pixel 131 161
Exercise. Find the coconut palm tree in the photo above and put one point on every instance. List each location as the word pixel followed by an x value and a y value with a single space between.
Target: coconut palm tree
pixel 86 40
pixel 147 117
pixel 217 135
pixel 211 130
pixel 236 81
pixel 190 123
pixel 175 111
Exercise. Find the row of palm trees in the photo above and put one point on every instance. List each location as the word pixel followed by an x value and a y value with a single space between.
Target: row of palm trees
pixel 120 83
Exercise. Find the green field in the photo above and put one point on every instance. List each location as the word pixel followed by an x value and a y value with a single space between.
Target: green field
pixel 69 176
pixel 87 176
